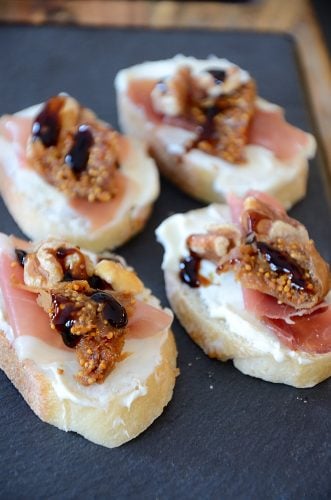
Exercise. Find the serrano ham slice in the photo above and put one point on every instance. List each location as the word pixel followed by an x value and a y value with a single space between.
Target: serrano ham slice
pixel 309 333
pixel 27 318
pixel 270 130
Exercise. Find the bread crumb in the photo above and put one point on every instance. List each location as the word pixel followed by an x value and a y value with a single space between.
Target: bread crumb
pixel 60 371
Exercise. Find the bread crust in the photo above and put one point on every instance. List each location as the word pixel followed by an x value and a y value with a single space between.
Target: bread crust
pixel 96 424
pixel 36 226
pixel 217 341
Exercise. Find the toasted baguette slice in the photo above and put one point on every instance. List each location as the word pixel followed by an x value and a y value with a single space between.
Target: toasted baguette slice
pixel 111 413
pixel 40 209
pixel 215 316
pixel 201 175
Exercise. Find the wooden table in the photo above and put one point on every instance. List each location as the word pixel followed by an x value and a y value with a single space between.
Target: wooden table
pixel 295 17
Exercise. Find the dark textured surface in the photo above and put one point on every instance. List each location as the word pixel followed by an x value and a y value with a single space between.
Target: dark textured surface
pixel 224 434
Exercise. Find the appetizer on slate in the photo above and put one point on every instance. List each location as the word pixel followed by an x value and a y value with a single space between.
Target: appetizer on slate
pixel 65 173
pixel 248 284
pixel 87 345
pixel 209 131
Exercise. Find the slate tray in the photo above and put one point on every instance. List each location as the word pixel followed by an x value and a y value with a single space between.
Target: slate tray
pixel 223 435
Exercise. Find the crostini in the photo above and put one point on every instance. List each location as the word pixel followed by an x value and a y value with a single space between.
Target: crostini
pixel 248 284
pixel 65 173
pixel 209 131
pixel 87 345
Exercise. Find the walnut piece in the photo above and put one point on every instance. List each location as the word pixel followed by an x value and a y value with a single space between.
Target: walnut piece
pixel 119 277
pixel 52 260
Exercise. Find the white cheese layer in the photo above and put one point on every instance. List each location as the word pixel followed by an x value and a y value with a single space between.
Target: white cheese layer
pixel 126 382
pixel 223 299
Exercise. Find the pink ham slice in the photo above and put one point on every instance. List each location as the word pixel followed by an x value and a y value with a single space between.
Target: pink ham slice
pixel 27 318
pixel 24 314
pixel 270 130
pixel 147 320
pixel 236 204
pixel 310 332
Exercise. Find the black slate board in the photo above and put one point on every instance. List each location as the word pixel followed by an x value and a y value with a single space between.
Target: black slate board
pixel 223 435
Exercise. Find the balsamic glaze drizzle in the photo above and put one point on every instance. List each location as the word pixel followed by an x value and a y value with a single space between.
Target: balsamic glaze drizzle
pixel 20 255
pixel 113 311
pixel 282 263
pixel 189 270
pixel 78 156
pixel 46 126
pixel 219 75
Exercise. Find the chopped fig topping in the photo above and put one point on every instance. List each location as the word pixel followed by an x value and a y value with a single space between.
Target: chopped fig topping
pixel 74 151
pixel 281 260
pixel 89 305
pixel 92 321
pixel 223 130
pixel 273 254
pixel 217 104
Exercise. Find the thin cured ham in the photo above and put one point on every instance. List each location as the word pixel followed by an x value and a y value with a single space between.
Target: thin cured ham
pixel 308 331
pixel 27 318
pixel 147 320
pixel 270 130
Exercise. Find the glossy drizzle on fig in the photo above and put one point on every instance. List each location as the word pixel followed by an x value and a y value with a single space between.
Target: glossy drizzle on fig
pixel 78 156
pixel 46 126
pixel 78 272
pixel 283 264
pixel 219 75
pixel 113 312
pixel 63 319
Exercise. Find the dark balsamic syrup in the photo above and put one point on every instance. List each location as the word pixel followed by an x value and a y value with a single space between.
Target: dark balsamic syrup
pixel 207 131
pixel 46 126
pixel 20 255
pixel 63 319
pixel 98 283
pixel 281 263
pixel 79 272
pixel 219 75
pixel 113 312
pixel 78 156
pixel 189 270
